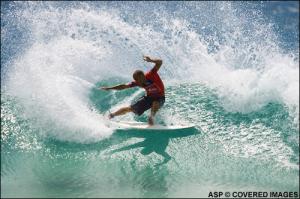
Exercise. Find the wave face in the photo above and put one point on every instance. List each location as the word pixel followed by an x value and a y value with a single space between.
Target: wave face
pixel 230 68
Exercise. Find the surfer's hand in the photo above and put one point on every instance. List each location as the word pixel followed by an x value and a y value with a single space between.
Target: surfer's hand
pixel 105 88
pixel 147 58
pixel 150 121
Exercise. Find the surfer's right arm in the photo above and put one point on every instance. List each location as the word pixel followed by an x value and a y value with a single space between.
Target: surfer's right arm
pixel 118 87
pixel 158 62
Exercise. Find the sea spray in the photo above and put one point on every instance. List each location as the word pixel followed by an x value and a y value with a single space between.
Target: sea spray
pixel 225 70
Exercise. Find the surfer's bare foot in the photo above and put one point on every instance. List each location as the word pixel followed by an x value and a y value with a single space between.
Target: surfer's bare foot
pixel 150 121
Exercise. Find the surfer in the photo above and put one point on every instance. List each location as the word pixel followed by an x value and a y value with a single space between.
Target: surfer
pixel 155 91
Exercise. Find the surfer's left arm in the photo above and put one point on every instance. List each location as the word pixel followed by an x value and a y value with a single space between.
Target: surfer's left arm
pixel 158 62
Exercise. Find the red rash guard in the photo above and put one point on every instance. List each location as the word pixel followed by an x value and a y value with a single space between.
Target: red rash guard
pixel 154 85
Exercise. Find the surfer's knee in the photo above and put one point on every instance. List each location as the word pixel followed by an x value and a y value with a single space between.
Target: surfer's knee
pixel 155 105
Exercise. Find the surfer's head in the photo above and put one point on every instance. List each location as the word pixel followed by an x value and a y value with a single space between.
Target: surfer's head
pixel 139 77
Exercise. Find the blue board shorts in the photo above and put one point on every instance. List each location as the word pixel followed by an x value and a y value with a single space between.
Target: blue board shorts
pixel 144 103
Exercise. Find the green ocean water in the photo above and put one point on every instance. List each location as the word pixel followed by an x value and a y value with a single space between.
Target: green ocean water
pixel 226 152
pixel 229 68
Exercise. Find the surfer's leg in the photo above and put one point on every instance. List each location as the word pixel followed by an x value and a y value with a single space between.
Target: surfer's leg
pixel 154 108
pixel 156 104
pixel 121 111
pixel 141 105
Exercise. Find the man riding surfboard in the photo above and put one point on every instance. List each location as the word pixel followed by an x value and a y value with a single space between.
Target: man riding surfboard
pixel 155 91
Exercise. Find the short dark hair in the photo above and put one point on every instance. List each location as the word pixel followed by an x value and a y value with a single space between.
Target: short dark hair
pixel 137 73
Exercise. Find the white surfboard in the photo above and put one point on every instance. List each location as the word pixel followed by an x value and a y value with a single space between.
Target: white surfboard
pixel 146 126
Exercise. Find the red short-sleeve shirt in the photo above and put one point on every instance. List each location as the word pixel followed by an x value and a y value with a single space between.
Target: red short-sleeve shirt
pixel 154 85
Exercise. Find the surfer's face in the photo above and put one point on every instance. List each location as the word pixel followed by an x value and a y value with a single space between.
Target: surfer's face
pixel 139 77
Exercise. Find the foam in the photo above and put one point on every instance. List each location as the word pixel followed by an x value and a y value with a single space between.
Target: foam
pixel 74 47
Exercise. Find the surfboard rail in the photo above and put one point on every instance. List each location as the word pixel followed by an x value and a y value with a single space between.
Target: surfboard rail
pixel 146 126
